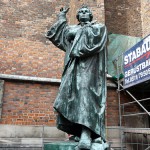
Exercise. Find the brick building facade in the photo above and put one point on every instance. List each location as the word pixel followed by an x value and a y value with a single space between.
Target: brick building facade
pixel 25 52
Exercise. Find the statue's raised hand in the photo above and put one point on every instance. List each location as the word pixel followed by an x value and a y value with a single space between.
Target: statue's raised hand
pixel 64 10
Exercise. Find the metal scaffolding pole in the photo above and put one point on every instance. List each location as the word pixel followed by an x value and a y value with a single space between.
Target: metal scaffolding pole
pixel 120 116
pixel 137 101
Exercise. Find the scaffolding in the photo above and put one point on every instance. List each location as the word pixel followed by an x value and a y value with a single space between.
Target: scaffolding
pixel 134 126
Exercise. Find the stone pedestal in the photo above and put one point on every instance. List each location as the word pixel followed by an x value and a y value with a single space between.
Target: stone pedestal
pixel 72 146
pixel 60 146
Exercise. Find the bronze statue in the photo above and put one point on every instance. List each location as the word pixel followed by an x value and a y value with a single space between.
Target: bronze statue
pixel 82 94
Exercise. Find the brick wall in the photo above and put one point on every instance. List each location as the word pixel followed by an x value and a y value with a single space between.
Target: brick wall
pixel 112 111
pixel 24 48
pixel 145 15
pixel 124 17
pixel 28 103
pixel 25 51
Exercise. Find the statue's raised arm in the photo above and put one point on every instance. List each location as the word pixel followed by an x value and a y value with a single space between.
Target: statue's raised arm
pixel 56 33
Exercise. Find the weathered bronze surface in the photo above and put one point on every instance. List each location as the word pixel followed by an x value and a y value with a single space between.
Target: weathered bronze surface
pixel 82 94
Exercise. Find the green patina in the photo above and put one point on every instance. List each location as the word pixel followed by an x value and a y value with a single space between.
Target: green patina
pixel 117 45
pixel 60 146
pixel 81 100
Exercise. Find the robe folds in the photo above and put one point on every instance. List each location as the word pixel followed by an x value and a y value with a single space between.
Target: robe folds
pixel 82 93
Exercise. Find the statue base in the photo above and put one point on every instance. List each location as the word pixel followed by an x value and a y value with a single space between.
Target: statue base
pixel 61 145
pixel 70 145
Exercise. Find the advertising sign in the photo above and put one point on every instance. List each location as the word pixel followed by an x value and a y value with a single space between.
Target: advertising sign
pixel 136 63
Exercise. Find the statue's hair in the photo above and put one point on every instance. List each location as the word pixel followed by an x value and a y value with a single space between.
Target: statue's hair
pixel 84 6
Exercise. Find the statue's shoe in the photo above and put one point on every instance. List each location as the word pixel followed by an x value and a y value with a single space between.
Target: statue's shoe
pixel 85 144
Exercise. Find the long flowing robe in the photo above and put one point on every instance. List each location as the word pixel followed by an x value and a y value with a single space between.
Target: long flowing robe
pixel 82 93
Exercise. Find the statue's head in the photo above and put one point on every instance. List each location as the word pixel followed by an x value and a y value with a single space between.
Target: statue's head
pixel 84 14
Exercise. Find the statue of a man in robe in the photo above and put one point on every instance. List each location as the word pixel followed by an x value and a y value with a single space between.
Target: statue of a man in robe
pixel 80 102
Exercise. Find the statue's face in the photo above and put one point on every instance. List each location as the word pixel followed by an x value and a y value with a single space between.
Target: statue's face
pixel 84 15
